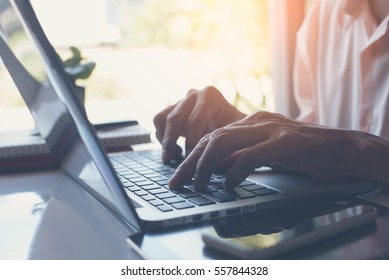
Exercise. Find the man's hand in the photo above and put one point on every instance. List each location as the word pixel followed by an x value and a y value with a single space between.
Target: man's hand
pixel 266 139
pixel 201 112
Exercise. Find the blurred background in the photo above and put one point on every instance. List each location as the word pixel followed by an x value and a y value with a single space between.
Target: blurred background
pixel 149 53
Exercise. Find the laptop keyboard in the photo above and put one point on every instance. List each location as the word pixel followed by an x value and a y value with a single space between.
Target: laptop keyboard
pixel 145 175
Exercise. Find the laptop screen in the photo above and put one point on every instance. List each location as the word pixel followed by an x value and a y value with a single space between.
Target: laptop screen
pixel 49 94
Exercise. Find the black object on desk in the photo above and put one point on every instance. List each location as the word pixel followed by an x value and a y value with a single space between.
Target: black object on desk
pixel 114 125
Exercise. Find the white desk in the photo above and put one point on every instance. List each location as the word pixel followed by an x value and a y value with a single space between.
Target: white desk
pixel 46 215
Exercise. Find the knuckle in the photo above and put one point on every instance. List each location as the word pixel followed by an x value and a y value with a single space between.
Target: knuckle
pixel 220 135
pixel 210 92
pixel 194 119
pixel 210 89
pixel 157 120
pixel 173 117
pixel 262 115
pixel 192 92
pixel 205 139
pixel 279 116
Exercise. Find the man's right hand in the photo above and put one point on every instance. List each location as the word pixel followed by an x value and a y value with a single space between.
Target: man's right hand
pixel 201 112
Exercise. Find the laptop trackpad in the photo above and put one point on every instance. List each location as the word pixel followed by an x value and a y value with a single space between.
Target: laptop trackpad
pixel 377 197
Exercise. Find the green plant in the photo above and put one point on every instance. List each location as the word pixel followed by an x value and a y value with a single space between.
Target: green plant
pixel 75 66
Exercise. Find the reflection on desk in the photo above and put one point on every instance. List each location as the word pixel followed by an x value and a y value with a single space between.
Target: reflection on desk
pixel 365 242
pixel 47 215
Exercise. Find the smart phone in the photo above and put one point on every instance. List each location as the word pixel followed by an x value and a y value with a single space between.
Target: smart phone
pixel 262 246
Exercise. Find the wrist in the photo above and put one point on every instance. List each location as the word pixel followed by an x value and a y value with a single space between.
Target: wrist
pixel 371 157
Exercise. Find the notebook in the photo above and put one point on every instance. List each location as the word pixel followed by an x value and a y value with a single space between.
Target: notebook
pixel 26 150
pixel 73 142
pixel 24 143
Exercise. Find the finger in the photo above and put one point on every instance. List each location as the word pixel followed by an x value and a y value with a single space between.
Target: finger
pixel 199 123
pixel 175 124
pixel 282 168
pixel 262 154
pixel 159 121
pixel 187 168
pixel 227 162
pixel 223 142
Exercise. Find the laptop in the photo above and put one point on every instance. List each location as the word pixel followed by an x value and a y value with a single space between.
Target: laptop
pixel 132 185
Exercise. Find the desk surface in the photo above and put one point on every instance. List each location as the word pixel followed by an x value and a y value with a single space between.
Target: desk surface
pixel 46 215
pixel 365 242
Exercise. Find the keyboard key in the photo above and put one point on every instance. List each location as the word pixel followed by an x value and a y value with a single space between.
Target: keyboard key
pixel 151 187
pixel 139 179
pixel 239 193
pixel 182 205
pixel 132 177
pixel 162 169
pixel 172 200
pixel 254 188
pixel 148 197
pixel 120 169
pixel 220 176
pixel 165 195
pixel 156 202
pixel 164 208
pixel 201 200
pixel 154 175
pixel 215 181
pixel 159 178
pixel 188 194
pixel 162 182
pixel 144 183
pixel 127 184
pixel 182 190
pixel 210 189
pixel 141 193
pixel 134 188
pixel 190 186
pixel 167 173
pixel 158 191
pixel 147 173
pixel 264 192
pixel 123 180
pixel 128 173
pixel 154 165
pixel 220 197
pixel 246 183
pixel 219 186
pixel 140 169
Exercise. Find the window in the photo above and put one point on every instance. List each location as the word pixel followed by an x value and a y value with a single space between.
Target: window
pixel 149 53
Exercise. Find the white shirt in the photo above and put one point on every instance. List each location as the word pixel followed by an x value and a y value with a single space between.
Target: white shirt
pixel 341 74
